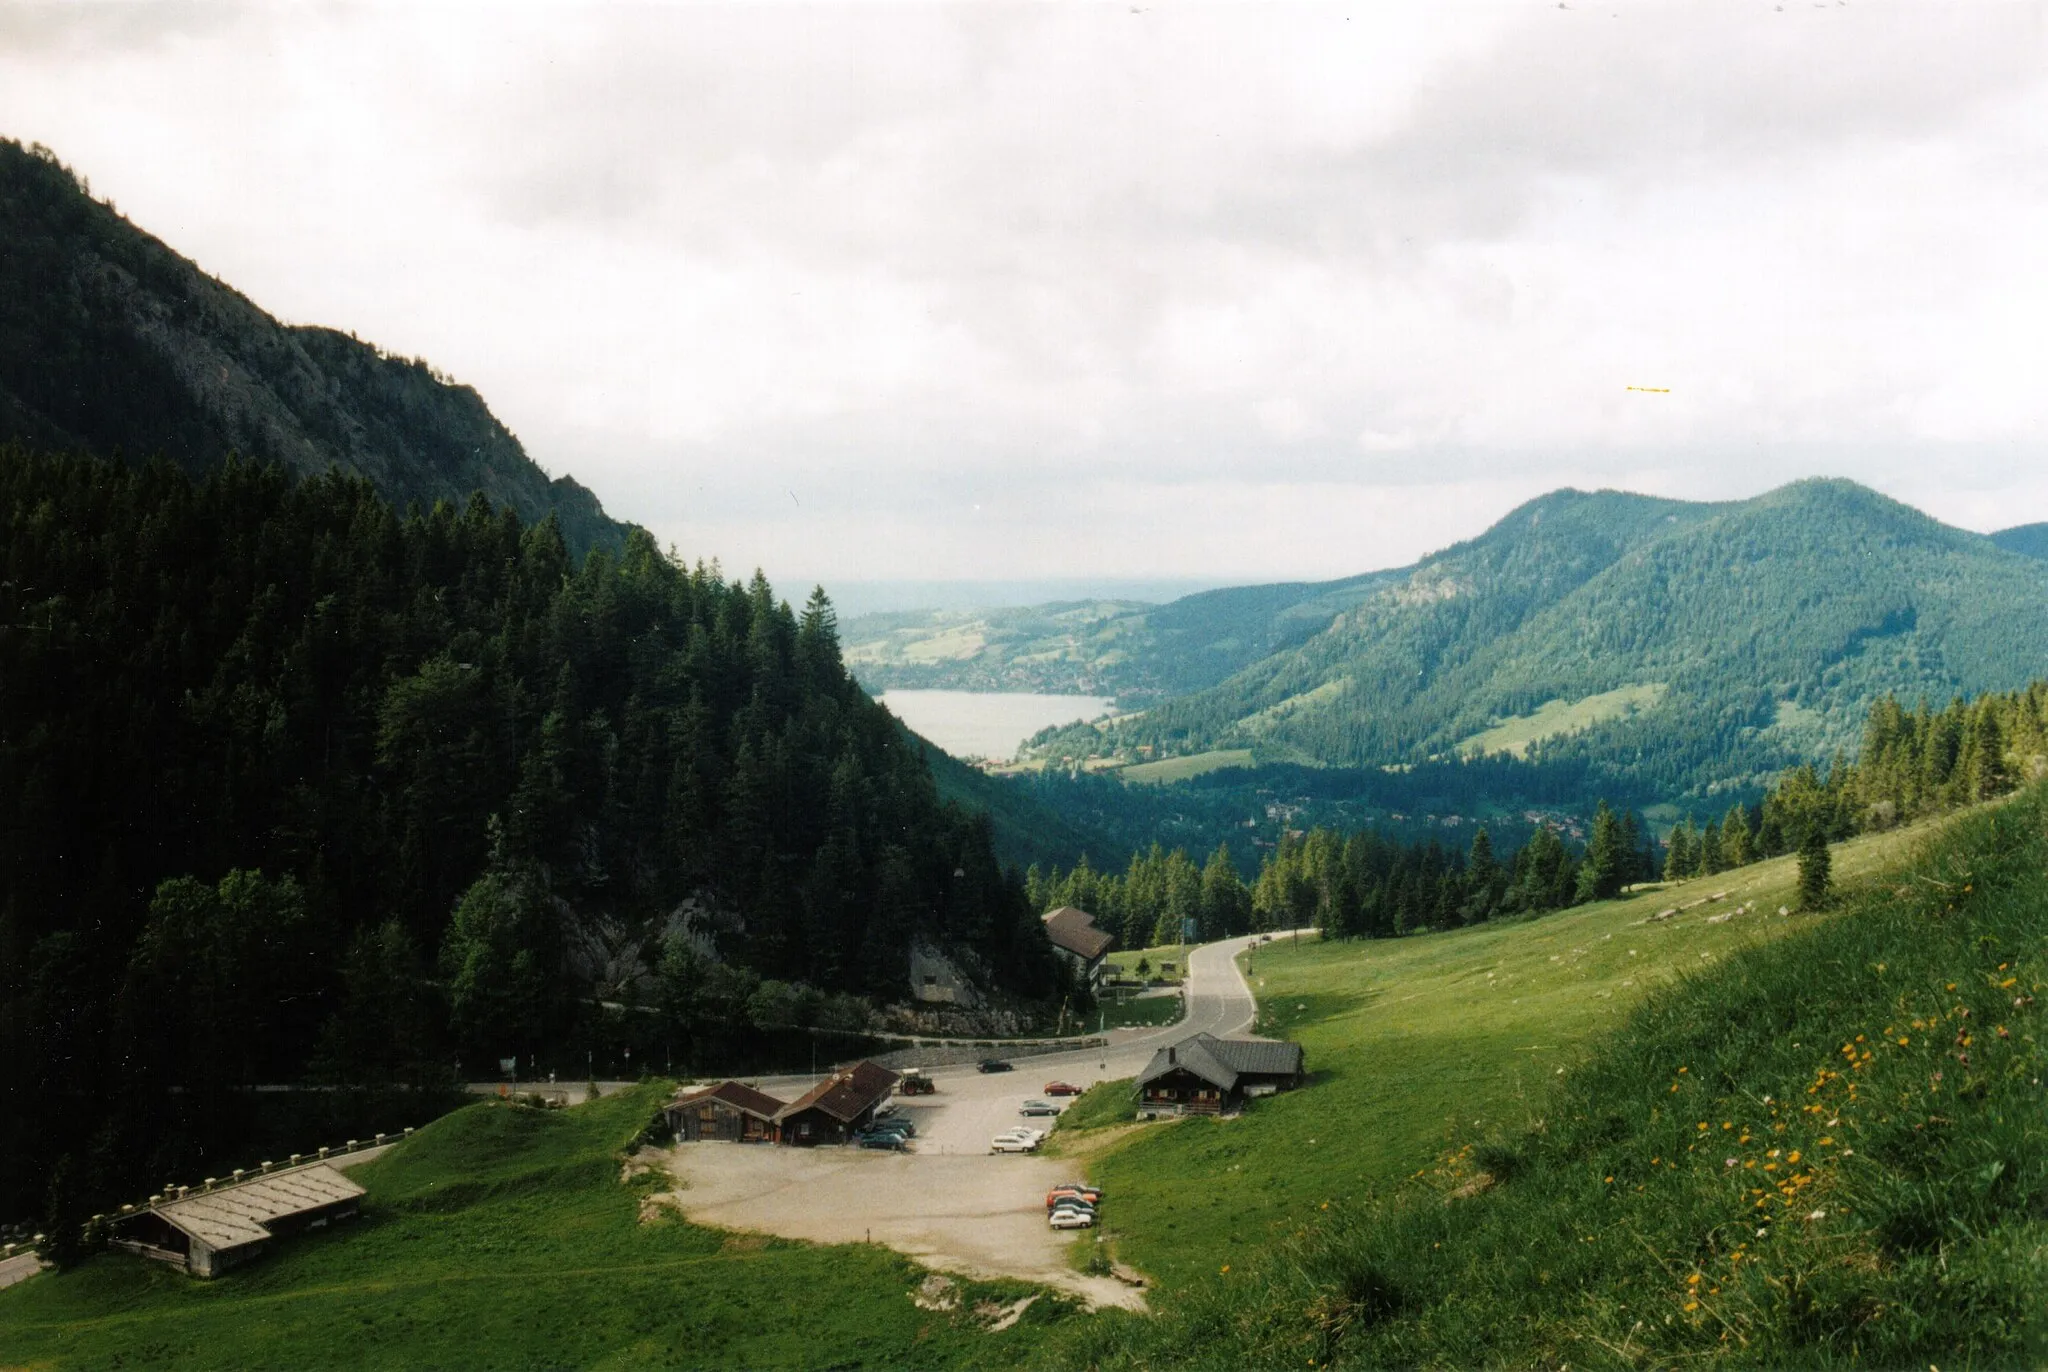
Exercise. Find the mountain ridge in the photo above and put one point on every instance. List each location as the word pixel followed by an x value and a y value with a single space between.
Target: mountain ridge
pixel 1788 612
pixel 111 343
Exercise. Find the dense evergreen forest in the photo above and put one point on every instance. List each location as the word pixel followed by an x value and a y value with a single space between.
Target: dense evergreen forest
pixel 294 785
pixel 1369 884
pixel 1366 884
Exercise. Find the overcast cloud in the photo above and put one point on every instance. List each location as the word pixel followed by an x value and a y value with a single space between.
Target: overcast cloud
pixel 1234 292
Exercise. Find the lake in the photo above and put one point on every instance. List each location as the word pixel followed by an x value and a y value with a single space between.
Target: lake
pixel 987 723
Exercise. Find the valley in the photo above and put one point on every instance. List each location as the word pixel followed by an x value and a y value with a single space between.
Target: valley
pixel 1613 936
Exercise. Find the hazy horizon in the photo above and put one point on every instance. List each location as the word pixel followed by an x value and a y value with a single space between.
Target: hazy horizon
pixel 864 294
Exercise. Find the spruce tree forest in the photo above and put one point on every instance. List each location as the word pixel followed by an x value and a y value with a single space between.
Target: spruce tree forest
pixel 295 786
pixel 1368 884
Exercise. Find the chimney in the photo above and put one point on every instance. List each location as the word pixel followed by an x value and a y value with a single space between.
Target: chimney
pixel 1170 1055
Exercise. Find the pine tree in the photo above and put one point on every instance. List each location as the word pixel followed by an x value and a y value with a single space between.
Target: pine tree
pixel 1600 875
pixel 1815 878
pixel 1678 852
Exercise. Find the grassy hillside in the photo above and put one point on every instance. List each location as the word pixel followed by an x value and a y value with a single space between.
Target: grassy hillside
pixel 111 343
pixel 1744 637
pixel 1814 1141
pixel 501 1237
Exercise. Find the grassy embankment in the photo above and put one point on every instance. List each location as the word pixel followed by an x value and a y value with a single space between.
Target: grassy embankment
pixel 1415 1041
pixel 1169 954
pixel 1828 1145
pixel 503 1237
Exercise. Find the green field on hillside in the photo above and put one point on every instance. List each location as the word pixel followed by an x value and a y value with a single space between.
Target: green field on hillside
pixel 503 1237
pixel 1172 769
pixel 1415 1042
pixel 1828 1148
pixel 1558 717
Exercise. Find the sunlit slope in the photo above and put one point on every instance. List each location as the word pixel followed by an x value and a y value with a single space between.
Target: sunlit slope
pixel 1828 1148
pixel 1414 1041
pixel 502 1237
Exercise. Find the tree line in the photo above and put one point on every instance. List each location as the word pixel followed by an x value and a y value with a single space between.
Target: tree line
pixel 293 783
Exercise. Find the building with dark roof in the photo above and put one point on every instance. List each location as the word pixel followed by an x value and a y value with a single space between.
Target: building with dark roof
pixel 836 1108
pixel 731 1111
pixel 210 1229
pixel 1206 1075
pixel 1075 937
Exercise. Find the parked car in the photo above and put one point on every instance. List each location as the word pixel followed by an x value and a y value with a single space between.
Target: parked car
pixel 1038 1107
pixel 1061 1088
pixel 1088 1188
pixel 1071 1203
pixel 1060 1193
pixel 1035 1135
pixel 1012 1143
pixel 893 1142
pixel 1070 1219
pixel 996 1065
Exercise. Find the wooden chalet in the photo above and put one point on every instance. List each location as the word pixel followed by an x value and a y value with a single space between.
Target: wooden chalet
pixel 1076 939
pixel 209 1230
pixel 730 1111
pixel 836 1108
pixel 1206 1075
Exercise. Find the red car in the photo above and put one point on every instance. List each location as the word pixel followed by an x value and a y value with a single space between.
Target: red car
pixel 1061 1088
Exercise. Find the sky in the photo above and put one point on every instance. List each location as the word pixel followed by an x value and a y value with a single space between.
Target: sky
pixel 1123 291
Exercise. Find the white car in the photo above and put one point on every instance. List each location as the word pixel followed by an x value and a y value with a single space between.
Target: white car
pixel 1012 1143
pixel 1026 1131
pixel 1068 1218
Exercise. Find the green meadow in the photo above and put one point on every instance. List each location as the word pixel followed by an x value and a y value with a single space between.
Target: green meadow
pixel 1416 1042
pixel 505 1237
pixel 1814 1142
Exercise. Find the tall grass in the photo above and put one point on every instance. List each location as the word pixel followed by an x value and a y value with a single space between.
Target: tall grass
pixel 1829 1150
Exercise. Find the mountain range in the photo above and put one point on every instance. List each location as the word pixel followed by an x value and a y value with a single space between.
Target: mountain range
pixel 113 344
pixel 1674 647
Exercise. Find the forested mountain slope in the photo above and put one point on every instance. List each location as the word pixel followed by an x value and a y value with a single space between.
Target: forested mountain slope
pixel 1676 645
pixel 112 343
pixel 2030 539
pixel 291 785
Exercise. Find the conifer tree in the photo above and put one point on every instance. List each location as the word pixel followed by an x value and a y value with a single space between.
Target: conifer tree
pixel 1679 856
pixel 1815 878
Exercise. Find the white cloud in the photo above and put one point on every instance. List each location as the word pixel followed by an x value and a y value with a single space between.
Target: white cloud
pixel 1197 290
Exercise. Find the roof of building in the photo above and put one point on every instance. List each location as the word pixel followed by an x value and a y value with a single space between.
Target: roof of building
pixel 738 1095
pixel 1073 929
pixel 240 1212
pixel 1221 1062
pixel 846 1094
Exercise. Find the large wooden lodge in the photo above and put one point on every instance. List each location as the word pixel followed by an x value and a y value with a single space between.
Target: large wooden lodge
pixel 833 1111
pixel 1206 1075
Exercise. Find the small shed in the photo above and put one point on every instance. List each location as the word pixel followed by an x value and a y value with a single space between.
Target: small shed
pixel 731 1111
pixel 1206 1075
pixel 836 1108
pixel 210 1230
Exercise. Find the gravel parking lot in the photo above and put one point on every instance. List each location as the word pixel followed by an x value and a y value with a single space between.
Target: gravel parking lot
pixel 949 1203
